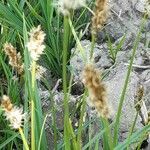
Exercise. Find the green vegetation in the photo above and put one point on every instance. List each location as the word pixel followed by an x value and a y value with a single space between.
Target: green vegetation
pixel 17 18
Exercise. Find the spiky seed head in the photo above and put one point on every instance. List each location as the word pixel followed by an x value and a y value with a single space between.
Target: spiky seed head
pixel 12 113
pixel 35 45
pixel 65 6
pixel 15 59
pixel 97 91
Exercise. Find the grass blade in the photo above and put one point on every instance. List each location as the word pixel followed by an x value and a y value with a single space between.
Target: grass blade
pixel 122 97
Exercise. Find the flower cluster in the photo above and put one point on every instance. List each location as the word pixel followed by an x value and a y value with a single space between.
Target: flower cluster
pixel 13 113
pixel 39 71
pixel 100 15
pixel 97 91
pixel 140 105
pixel 35 44
pixel 64 6
pixel 15 59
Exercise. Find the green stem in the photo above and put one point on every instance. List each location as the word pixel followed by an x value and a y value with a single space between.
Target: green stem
pixel 54 124
pixel 33 107
pixel 132 128
pixel 81 119
pixel 90 134
pixel 32 126
pixel 108 141
pixel 77 41
pixel 33 75
pixel 117 121
pixel 42 129
pixel 65 53
pixel 23 139
pixel 92 46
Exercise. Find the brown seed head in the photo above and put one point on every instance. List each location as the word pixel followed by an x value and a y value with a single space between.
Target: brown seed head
pixel 6 103
pixel 100 16
pixel 97 90
pixel 14 57
pixel 37 35
pixel 139 96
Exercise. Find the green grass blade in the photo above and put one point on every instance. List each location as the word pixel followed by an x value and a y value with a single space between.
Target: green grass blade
pixel 134 137
pixel 10 17
pixel 121 42
pixel 42 129
pixel 95 138
pixel 3 145
pixel 27 77
pixel 122 97
pixel 66 108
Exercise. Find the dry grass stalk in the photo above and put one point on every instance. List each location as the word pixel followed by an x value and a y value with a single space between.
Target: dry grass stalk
pixel 139 96
pixel 140 105
pixel 97 91
pixel 100 16
pixel 15 59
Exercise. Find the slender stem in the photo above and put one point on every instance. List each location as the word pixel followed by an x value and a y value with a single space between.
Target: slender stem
pixel 92 46
pixel 90 10
pixel 54 123
pixel 65 53
pixel 42 129
pixel 77 41
pixel 132 128
pixel 134 123
pixel 23 139
pixel 90 134
pixel 117 121
pixel 33 75
pixel 81 119
pixel 32 126
pixel 33 107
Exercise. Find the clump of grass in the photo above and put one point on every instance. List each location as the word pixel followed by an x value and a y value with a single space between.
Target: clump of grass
pixel 113 50
pixel 62 28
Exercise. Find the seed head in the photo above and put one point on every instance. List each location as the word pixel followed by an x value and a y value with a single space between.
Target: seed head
pixel 35 44
pixel 140 105
pixel 13 114
pixel 15 59
pixel 97 91
pixel 139 96
pixel 64 6
pixel 6 103
pixel 100 15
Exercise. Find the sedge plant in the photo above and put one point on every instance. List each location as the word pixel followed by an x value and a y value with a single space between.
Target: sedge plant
pixel 51 42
